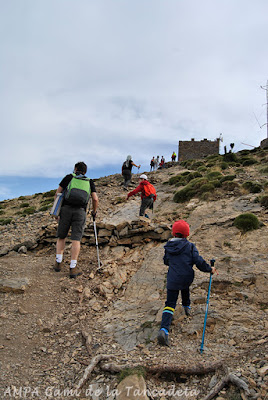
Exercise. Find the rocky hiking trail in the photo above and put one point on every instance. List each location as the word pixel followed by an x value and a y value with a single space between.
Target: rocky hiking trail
pixel 52 327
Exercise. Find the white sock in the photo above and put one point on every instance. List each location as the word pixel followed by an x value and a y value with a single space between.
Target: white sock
pixel 59 258
pixel 73 263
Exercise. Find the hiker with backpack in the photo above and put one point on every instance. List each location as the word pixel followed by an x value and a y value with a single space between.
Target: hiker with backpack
pixel 77 190
pixel 126 171
pixel 152 164
pixel 148 194
pixel 180 256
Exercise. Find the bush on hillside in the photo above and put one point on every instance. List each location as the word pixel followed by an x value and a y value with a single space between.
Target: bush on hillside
pixel 50 193
pixel 227 178
pixel 24 205
pixel 252 187
pixel 214 175
pixel 224 165
pixel 264 201
pixel 5 221
pixel 264 170
pixel 230 157
pixel 249 161
pixel 28 211
pixel 246 222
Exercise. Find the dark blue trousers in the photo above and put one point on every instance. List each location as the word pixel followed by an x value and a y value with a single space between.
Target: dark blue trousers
pixel 170 305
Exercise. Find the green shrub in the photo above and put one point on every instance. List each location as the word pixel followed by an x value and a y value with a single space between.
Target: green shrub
pixel 197 164
pixel 249 161
pixel 28 211
pixel 50 193
pixel 230 157
pixel 229 185
pixel 213 175
pixel 264 170
pixel 207 187
pixel 264 201
pixel 175 179
pixel 224 165
pixel 22 198
pixel 252 187
pixel 227 178
pixel 23 205
pixel 184 194
pixel 44 208
pixel 202 169
pixel 48 201
pixel 5 221
pixel 246 222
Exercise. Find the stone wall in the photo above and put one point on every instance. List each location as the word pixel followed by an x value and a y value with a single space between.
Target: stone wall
pixel 124 234
pixel 191 149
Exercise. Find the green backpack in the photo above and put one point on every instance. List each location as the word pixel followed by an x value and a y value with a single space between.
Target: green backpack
pixel 78 191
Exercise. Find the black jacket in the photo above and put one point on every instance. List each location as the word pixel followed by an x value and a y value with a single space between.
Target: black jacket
pixel 180 256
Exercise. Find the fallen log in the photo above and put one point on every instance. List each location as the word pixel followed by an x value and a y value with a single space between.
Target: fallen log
pixel 230 378
pixel 198 369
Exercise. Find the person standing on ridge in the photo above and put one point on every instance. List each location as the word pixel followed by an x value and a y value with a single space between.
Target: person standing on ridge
pixel 148 194
pixel 77 191
pixel 180 256
pixel 126 171
pixel 152 164
pixel 173 157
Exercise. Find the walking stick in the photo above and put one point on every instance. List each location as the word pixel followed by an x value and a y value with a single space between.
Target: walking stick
pixel 206 314
pixel 97 245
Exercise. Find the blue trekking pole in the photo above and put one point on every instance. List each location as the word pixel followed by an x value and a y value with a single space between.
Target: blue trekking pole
pixel 206 314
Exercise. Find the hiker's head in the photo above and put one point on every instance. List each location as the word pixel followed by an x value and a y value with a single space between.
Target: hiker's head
pixel 180 229
pixel 128 158
pixel 80 167
pixel 143 176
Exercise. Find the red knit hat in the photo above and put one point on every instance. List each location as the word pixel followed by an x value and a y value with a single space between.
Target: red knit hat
pixel 181 227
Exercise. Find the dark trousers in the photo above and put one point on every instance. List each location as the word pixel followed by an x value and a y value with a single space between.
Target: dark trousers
pixel 147 202
pixel 170 305
pixel 127 177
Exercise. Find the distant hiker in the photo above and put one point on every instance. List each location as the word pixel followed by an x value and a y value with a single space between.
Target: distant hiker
pixel 148 194
pixel 77 191
pixel 180 256
pixel 162 163
pixel 126 171
pixel 157 162
pixel 173 156
pixel 152 164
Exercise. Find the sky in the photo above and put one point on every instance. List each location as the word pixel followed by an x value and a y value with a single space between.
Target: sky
pixel 96 80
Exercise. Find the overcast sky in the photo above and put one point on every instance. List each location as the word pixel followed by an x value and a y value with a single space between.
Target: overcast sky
pixel 96 80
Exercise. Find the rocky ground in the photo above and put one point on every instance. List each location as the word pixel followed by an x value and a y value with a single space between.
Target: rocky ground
pixel 52 327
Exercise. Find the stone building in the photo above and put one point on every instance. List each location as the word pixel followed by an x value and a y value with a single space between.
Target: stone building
pixel 191 149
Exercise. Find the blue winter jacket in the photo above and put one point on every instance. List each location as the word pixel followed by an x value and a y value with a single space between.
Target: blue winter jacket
pixel 180 256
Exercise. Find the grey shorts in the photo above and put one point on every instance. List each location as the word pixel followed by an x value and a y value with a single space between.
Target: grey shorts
pixel 74 218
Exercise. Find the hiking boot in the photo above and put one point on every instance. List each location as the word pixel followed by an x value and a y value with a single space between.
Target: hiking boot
pixel 74 272
pixel 57 266
pixel 187 310
pixel 162 338
pixel 147 216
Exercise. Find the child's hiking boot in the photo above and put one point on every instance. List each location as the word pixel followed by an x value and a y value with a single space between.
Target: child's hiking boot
pixel 74 272
pixel 57 266
pixel 162 338
pixel 187 310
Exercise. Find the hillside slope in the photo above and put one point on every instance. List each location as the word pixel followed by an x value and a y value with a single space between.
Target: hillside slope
pixel 118 311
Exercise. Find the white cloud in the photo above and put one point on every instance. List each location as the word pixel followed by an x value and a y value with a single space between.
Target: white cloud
pixel 98 80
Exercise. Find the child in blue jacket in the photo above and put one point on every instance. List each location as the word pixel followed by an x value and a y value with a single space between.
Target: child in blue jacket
pixel 180 256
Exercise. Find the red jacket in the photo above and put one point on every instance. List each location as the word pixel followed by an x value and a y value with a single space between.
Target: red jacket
pixel 140 188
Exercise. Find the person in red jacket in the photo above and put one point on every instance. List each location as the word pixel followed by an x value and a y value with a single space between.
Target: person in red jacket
pixel 148 194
